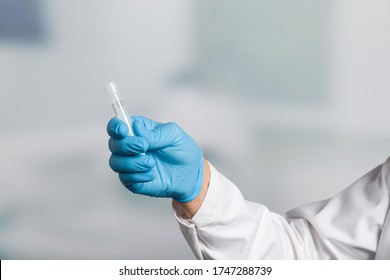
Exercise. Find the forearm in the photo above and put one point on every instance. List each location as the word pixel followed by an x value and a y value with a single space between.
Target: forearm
pixel 228 227
pixel 190 208
pixel 222 225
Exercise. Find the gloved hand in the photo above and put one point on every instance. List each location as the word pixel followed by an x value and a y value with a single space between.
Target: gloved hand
pixel 171 167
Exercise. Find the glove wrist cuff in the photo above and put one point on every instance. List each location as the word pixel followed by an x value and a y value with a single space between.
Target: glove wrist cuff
pixel 198 184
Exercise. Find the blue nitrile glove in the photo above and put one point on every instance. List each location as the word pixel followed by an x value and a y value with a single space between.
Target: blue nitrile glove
pixel 172 165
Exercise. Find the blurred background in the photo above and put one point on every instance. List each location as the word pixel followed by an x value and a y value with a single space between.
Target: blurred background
pixel 288 99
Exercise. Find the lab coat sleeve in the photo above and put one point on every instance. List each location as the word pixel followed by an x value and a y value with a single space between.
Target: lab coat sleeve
pixel 347 226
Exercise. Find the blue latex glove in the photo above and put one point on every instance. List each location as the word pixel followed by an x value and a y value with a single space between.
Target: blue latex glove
pixel 171 167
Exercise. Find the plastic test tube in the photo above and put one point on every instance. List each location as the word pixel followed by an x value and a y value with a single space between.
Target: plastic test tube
pixel 112 92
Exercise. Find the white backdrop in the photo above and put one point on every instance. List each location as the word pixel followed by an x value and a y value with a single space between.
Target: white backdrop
pixel 188 62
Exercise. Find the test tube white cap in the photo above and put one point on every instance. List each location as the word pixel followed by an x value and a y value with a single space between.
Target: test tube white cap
pixel 112 91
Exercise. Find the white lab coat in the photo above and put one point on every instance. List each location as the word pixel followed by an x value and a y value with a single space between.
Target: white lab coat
pixel 354 224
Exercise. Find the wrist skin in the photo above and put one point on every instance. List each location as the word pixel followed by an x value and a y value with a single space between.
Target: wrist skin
pixel 190 208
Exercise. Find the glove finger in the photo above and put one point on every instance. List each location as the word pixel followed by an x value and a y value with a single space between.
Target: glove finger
pixel 147 123
pixel 117 128
pixel 139 177
pixel 163 135
pixel 131 145
pixel 135 187
pixel 129 164
pixel 146 188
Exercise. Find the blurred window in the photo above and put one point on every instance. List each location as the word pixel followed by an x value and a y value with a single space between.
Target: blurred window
pixel 276 51
pixel 21 20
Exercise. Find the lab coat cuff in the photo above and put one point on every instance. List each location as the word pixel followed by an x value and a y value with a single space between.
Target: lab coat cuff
pixel 204 215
